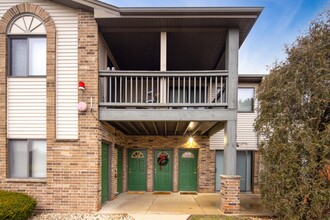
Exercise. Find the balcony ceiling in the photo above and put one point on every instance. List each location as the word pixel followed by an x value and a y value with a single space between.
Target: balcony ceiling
pixel 168 128
pixel 196 36
pixel 185 50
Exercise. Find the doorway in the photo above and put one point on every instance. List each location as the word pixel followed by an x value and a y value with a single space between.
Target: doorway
pixel 243 169
pixel 105 173
pixel 163 160
pixel 188 170
pixel 137 170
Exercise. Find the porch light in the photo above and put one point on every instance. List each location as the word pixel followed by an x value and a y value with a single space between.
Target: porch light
pixel 191 140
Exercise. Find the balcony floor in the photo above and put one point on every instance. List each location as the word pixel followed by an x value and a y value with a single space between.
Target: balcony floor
pixel 167 122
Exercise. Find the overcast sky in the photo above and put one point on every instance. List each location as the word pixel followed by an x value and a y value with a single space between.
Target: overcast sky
pixel 279 24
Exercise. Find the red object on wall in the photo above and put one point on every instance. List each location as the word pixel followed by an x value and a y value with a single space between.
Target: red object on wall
pixel 81 85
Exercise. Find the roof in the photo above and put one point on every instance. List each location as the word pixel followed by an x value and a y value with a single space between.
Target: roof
pixel 251 78
pixel 88 5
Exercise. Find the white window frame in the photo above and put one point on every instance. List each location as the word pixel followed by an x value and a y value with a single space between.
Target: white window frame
pixel 29 159
pixel 253 100
pixel 26 26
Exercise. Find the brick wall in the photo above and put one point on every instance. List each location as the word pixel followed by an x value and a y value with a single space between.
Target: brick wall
pixel 73 166
pixel 114 138
pixel 229 194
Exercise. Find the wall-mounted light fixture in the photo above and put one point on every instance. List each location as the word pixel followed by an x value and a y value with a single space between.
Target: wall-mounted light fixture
pixel 191 140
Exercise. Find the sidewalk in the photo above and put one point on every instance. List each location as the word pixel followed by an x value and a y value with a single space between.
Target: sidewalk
pixel 175 206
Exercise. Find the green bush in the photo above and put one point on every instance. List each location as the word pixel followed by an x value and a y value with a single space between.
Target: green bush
pixel 14 205
pixel 294 123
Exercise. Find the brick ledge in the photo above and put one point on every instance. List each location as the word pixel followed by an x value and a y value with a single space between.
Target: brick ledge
pixel 230 176
pixel 43 180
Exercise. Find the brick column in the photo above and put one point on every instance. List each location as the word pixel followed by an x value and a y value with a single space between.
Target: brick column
pixel 229 192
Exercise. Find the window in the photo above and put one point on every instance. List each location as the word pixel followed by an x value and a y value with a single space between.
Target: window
pixel 187 155
pixel 27 47
pixel 245 99
pixel 137 154
pixel 27 158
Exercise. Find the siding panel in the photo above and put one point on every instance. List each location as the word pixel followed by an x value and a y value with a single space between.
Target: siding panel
pixel 26 105
pixel 66 22
pixel 246 137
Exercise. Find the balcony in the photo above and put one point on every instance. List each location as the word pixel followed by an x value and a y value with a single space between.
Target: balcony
pixel 165 103
pixel 170 89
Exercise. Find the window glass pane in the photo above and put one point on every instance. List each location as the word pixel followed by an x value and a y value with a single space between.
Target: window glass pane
pixel 38 158
pixel 18 160
pixel 37 56
pixel 245 99
pixel 18 59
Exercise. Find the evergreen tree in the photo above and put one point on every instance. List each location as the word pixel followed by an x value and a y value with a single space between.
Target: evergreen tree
pixel 294 126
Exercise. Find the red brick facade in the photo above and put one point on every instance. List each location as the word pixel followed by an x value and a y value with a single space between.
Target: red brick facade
pixel 229 194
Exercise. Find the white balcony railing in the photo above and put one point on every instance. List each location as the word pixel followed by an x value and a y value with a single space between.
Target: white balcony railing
pixel 152 89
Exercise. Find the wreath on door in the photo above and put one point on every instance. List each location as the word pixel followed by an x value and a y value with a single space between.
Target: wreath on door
pixel 162 159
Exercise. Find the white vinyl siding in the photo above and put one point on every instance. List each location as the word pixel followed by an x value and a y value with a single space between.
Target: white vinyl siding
pixel 216 141
pixel 66 22
pixel 26 107
pixel 246 137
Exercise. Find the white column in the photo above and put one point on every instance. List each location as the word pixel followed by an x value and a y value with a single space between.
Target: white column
pixel 163 65
pixel 231 64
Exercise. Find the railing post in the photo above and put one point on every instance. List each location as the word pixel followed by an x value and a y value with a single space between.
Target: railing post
pixel 163 65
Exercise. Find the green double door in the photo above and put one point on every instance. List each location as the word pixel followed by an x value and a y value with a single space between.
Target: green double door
pixel 188 170
pixel 137 170
pixel 163 174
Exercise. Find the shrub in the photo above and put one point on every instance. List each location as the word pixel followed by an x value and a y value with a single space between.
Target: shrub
pixel 14 205
pixel 294 123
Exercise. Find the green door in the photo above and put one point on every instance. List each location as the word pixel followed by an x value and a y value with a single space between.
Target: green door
pixel 105 177
pixel 188 170
pixel 120 170
pixel 137 170
pixel 163 174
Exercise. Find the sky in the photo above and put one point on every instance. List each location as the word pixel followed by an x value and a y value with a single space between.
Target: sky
pixel 278 25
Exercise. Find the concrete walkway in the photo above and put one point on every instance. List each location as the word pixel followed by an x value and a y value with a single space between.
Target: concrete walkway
pixel 175 206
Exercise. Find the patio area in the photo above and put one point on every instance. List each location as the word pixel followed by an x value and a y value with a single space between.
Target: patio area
pixel 178 206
